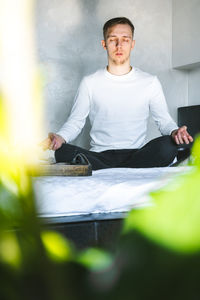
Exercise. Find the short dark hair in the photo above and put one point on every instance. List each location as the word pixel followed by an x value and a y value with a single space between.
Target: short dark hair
pixel 116 21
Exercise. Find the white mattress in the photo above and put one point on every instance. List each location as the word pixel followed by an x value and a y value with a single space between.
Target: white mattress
pixel 106 191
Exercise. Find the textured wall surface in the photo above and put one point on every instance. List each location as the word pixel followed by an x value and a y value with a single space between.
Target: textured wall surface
pixel 69 34
pixel 194 87
pixel 186 37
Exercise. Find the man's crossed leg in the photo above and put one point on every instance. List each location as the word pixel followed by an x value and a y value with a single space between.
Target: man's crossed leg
pixel 159 152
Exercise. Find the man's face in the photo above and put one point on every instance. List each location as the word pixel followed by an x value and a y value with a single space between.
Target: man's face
pixel 119 43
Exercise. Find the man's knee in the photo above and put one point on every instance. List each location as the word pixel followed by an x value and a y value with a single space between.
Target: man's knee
pixel 168 141
pixel 167 148
pixel 65 153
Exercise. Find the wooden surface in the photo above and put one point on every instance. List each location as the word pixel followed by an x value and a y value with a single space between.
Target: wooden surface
pixel 61 169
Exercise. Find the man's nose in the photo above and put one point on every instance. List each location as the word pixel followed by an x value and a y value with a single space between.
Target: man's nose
pixel 118 43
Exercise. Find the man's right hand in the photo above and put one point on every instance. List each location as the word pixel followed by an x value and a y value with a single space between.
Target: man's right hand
pixel 53 142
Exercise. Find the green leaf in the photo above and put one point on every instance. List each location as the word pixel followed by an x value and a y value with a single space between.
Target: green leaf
pixel 57 247
pixel 95 259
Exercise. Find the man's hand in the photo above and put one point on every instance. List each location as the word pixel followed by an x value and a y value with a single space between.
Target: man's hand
pixel 181 136
pixel 53 142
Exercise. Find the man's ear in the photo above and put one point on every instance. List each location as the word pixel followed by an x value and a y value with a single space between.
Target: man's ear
pixel 103 43
pixel 133 44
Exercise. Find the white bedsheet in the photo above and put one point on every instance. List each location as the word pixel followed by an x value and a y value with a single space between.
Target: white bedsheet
pixel 106 191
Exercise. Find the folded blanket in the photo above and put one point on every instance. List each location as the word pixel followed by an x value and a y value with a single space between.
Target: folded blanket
pixel 108 190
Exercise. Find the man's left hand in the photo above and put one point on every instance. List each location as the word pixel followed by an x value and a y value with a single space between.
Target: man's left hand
pixel 181 136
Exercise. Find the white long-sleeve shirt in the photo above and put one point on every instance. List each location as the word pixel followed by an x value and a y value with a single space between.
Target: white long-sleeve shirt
pixel 118 109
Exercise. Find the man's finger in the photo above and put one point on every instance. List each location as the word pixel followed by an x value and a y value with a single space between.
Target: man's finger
pixel 184 128
pixel 190 138
pixel 55 146
pixel 176 139
pixel 180 137
pixel 185 138
pixel 51 136
pixel 53 141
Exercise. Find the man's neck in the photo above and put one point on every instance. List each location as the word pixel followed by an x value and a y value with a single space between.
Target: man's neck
pixel 119 69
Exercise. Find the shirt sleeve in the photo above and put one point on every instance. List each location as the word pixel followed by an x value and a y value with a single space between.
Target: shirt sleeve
pixel 159 109
pixel 80 110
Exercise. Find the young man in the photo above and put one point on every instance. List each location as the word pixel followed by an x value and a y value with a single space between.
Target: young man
pixel 117 100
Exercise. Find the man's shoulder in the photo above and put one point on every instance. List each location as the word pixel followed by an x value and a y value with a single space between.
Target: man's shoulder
pixel 91 81
pixel 93 76
pixel 144 75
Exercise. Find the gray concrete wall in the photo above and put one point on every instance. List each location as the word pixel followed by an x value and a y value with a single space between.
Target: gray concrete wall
pixel 186 37
pixel 69 34
pixel 194 87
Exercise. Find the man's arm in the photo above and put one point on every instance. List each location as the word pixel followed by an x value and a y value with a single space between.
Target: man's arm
pixel 162 117
pixel 80 110
pixel 166 125
pixel 159 109
pixel 76 121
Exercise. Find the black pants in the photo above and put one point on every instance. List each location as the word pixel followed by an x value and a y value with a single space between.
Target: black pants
pixel 159 152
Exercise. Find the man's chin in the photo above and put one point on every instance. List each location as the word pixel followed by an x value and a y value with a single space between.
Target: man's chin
pixel 119 61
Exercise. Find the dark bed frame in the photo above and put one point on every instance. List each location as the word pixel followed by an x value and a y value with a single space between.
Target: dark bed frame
pixel 92 230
